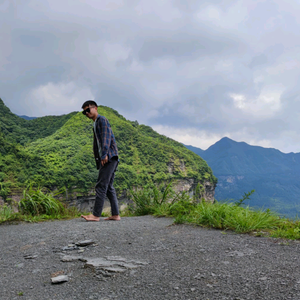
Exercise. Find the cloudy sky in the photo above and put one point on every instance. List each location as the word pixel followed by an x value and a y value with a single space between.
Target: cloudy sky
pixel 195 71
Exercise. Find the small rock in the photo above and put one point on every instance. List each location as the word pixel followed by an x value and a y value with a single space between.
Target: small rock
pixel 114 269
pixel 69 258
pixel 263 278
pixel 67 248
pixel 60 279
pixel 30 256
pixel 193 289
pixel 85 243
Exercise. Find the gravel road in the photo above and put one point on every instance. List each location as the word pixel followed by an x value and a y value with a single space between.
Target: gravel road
pixel 163 261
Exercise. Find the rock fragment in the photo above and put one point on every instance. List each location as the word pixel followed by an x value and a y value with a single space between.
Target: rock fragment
pixel 30 256
pixel 111 264
pixel 69 248
pixel 69 258
pixel 263 278
pixel 84 243
pixel 59 279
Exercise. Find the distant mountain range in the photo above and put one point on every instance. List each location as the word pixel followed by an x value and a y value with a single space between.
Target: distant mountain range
pixel 26 117
pixel 240 167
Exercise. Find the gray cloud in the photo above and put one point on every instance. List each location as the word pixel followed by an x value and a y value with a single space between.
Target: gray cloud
pixel 205 68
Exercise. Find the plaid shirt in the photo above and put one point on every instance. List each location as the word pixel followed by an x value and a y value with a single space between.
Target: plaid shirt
pixel 106 140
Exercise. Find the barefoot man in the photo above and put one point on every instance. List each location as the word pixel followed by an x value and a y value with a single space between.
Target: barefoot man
pixel 106 156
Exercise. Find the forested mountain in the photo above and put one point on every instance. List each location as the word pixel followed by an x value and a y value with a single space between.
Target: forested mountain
pixel 56 152
pixel 240 168
pixel 21 131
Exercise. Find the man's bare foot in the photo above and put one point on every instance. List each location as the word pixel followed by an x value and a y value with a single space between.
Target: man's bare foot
pixel 91 218
pixel 113 218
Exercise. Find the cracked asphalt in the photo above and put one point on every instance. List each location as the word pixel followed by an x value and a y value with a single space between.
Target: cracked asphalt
pixel 183 262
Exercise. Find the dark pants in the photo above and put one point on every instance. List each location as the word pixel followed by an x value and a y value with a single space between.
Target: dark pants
pixel 104 187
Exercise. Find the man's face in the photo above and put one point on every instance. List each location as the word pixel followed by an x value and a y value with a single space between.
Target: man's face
pixel 90 111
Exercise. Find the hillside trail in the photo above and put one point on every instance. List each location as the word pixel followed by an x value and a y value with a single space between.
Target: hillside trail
pixel 143 258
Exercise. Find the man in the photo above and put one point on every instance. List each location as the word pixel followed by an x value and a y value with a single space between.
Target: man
pixel 106 156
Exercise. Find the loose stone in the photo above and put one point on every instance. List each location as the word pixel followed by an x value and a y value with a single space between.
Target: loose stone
pixel 60 279
pixel 30 256
pixel 69 258
pixel 67 248
pixel 85 243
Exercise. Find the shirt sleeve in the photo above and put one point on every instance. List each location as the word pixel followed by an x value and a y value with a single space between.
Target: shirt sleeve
pixel 105 137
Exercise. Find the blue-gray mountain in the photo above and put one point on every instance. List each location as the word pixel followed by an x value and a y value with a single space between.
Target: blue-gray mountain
pixel 240 168
pixel 26 117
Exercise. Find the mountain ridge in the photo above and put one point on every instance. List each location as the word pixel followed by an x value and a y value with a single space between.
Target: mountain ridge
pixel 241 167
pixel 26 117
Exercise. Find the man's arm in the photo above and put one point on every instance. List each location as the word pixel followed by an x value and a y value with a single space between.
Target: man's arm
pixel 105 139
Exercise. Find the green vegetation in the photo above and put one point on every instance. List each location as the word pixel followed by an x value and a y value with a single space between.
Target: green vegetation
pixel 37 203
pixel 163 201
pixel 56 153
pixel 37 206
pixel 6 213
pixel 150 199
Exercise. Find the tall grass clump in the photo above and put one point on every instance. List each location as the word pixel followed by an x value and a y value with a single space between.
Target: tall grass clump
pixel 228 216
pixel 37 206
pixel 150 199
pixel 35 203
pixel 287 229
pixel 6 213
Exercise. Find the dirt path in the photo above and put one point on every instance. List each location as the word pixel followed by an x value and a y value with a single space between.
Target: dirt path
pixel 155 261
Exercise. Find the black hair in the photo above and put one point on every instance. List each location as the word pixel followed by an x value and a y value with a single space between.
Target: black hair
pixel 88 103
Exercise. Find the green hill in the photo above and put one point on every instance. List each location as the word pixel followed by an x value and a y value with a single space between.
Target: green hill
pixel 56 152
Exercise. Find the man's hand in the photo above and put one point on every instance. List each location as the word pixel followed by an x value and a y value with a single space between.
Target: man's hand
pixel 104 161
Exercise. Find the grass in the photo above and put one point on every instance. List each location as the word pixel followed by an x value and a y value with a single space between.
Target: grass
pixel 225 216
pixel 148 199
pixel 163 201
pixel 36 206
pixel 6 213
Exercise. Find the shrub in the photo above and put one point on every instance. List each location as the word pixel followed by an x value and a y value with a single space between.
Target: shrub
pixel 37 203
pixel 6 212
pixel 147 200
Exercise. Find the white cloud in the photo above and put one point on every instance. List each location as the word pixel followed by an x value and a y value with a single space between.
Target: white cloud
pixel 56 99
pixel 146 8
pixel 189 136
pixel 265 105
pixel 229 17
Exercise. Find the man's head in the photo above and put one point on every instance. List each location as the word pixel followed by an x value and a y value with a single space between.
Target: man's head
pixel 90 109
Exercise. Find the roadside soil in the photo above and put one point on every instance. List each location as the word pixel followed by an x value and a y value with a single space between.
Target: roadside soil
pixel 183 262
